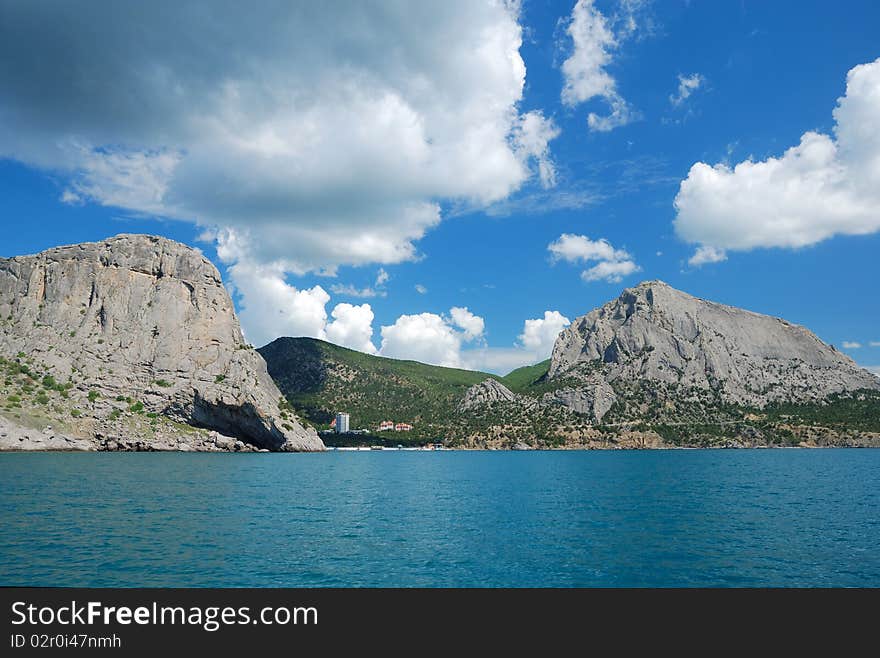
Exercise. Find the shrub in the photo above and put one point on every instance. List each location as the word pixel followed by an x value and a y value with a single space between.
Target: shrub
pixel 76 413
pixel 163 383
pixel 93 395
pixel 42 398
pixel 137 407
pixel 219 378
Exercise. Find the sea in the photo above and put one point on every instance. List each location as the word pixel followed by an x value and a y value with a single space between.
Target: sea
pixel 665 518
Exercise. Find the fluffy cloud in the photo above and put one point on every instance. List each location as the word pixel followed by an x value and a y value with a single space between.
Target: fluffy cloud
pixel 585 77
pixel 472 325
pixel 704 255
pixel 534 344
pixel 687 85
pixel 450 341
pixel 577 248
pixel 824 186
pixel 873 369
pixel 531 140
pixel 874 343
pixel 613 264
pixel 851 345
pixel 540 334
pixel 422 290
pixel 352 326
pixel 294 312
pixel 427 337
pixel 289 128
pixel 610 271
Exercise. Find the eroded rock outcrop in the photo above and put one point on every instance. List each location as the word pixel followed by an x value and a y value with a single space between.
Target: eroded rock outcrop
pixel 146 320
pixel 594 398
pixel 654 333
pixel 486 392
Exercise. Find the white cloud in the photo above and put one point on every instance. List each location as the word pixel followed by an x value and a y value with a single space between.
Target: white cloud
pixel 296 312
pixel 425 337
pixel 540 334
pixel 435 339
pixel 873 369
pixel 687 85
pixel 352 326
pixel 610 271
pixel 851 345
pixel 472 325
pixel 874 343
pixel 531 139
pixel 422 290
pixel 533 345
pixel 705 255
pixel 293 312
pixel 584 72
pixel 382 277
pixel 579 248
pixel 613 264
pixel 286 128
pixel 824 186
pixel 446 340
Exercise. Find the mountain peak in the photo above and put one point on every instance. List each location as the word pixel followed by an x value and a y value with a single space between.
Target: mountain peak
pixel 147 323
pixel 654 332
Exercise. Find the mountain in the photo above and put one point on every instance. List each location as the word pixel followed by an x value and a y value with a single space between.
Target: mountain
pixel 658 366
pixel 655 367
pixel 133 343
pixel 654 333
pixel 320 379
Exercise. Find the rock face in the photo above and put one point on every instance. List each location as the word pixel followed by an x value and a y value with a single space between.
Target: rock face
pixel 658 334
pixel 147 319
pixel 16 437
pixel 486 392
pixel 593 399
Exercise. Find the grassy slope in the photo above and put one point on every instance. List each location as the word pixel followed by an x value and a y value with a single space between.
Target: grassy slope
pixel 522 378
pixel 319 379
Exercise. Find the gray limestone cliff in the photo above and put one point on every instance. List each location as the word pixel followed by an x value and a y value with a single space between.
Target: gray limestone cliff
pixel 142 323
pixel 486 392
pixel 654 333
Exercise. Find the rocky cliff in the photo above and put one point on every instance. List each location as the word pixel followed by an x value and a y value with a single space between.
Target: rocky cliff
pixel 657 367
pixel 488 391
pixel 685 345
pixel 138 325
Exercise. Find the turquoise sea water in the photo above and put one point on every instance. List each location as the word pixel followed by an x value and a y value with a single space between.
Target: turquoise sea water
pixel 654 518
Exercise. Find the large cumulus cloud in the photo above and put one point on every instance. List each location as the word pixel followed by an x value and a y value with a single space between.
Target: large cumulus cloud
pixel 307 135
pixel 825 185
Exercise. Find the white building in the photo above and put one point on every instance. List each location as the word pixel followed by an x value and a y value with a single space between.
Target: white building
pixel 342 421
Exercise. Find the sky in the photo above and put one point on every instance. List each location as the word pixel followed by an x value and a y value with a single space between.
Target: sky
pixel 455 182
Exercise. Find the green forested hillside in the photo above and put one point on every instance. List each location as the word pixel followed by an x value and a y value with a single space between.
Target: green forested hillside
pixel 521 379
pixel 319 379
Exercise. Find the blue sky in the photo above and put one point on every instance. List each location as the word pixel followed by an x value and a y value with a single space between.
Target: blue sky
pixel 290 176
